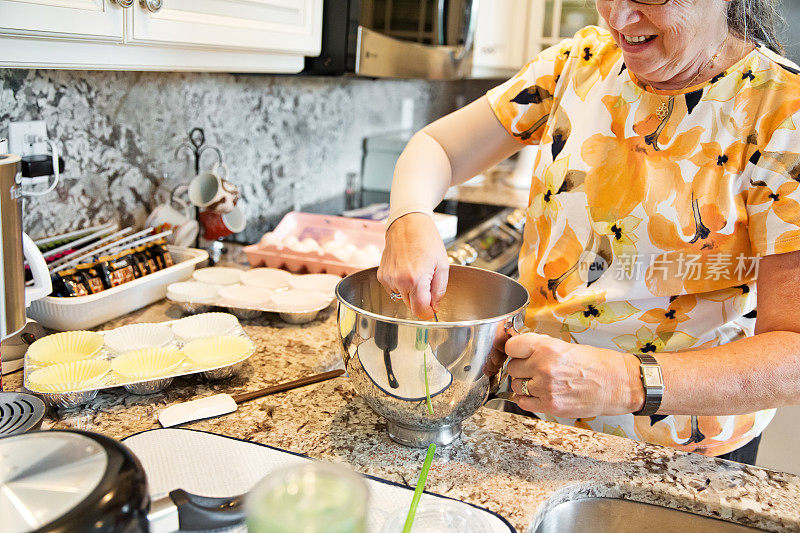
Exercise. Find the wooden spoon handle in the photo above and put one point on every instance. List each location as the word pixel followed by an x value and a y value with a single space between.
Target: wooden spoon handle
pixel 289 385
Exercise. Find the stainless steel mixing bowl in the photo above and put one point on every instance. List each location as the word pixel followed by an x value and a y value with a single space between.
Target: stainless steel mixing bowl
pixel 390 354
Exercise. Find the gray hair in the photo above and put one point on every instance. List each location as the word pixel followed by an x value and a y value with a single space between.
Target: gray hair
pixel 756 21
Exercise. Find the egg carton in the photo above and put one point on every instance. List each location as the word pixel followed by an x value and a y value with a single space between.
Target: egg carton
pixel 342 244
pixel 75 397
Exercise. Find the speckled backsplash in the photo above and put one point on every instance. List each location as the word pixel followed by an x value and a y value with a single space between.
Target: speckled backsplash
pixel 118 132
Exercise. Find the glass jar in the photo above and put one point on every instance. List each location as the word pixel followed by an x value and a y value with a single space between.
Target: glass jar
pixel 312 497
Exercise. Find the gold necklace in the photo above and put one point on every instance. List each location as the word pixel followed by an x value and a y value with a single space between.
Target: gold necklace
pixel 665 108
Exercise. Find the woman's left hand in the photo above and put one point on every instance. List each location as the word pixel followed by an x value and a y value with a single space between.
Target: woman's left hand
pixel 573 380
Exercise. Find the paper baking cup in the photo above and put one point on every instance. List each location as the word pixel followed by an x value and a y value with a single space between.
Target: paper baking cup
pixel 325 283
pixel 68 377
pixel 205 325
pixel 213 352
pixel 192 291
pixel 267 278
pixel 65 347
pixel 147 363
pixel 295 300
pixel 138 336
pixel 218 275
pixel 243 296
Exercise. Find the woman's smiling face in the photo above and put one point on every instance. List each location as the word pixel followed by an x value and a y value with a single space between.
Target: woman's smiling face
pixel 666 45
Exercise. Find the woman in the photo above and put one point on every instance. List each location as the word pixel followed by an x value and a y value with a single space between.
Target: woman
pixel 668 162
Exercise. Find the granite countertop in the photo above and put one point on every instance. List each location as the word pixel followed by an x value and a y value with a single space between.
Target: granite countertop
pixel 515 466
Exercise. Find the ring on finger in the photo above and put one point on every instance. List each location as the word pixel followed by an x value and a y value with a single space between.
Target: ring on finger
pixel 524 387
pixel 394 295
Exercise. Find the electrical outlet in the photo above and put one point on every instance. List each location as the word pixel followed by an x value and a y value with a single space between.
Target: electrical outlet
pixel 20 135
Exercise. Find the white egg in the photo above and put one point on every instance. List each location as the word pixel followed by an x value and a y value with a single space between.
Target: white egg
pixel 361 258
pixel 289 241
pixel 372 250
pixel 331 247
pixel 270 239
pixel 305 248
pixel 343 254
pixel 310 244
pixel 374 255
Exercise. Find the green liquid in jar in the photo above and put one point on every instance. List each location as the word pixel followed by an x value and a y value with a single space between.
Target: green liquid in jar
pixel 307 501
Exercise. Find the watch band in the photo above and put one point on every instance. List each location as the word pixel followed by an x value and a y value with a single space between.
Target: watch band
pixel 650 372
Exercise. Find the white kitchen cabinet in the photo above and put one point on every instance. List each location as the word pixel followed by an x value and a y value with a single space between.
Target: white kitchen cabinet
pixel 511 32
pixel 74 19
pixel 500 38
pixel 555 20
pixel 213 35
pixel 291 26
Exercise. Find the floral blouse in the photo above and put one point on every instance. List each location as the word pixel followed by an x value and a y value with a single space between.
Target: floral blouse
pixel 647 213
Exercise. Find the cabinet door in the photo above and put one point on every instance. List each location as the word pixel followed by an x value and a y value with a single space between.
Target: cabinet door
pixel 289 26
pixel 552 21
pixel 80 19
pixel 500 38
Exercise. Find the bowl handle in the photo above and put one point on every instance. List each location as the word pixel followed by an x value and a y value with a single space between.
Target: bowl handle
pixel 516 325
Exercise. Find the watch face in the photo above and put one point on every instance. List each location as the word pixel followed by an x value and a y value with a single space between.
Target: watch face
pixel 652 376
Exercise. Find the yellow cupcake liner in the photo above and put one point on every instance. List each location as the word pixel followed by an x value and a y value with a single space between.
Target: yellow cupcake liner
pixel 68 377
pixel 147 363
pixel 212 352
pixel 65 347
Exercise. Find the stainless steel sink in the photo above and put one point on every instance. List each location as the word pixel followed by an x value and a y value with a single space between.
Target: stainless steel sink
pixel 607 515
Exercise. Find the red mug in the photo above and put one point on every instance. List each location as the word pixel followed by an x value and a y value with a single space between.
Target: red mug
pixel 219 225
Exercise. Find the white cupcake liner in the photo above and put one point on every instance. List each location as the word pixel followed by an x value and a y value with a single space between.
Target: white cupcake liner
pixel 148 363
pixel 218 275
pixel 192 291
pixel 299 301
pixel 267 278
pixel 68 377
pixel 243 296
pixel 324 283
pixel 205 325
pixel 65 347
pixel 138 336
pixel 212 352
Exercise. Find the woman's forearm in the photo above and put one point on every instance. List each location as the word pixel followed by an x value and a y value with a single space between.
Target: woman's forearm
pixel 743 376
pixel 422 176
pixel 448 152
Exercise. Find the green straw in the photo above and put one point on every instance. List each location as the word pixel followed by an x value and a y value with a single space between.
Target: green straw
pixel 423 477
pixel 421 344
pixel 427 388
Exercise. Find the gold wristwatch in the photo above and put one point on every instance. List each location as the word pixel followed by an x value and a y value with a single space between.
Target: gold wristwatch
pixel 653 383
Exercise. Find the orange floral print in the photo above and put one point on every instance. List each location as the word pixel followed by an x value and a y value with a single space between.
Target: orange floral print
pixel 643 231
pixel 670 319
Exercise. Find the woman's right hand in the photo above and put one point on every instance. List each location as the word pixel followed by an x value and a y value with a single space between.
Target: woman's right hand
pixel 415 264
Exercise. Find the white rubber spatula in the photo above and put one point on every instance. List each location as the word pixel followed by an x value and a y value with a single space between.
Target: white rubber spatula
pixel 222 404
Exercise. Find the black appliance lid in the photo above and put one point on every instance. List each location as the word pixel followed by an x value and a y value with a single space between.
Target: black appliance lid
pixel 44 475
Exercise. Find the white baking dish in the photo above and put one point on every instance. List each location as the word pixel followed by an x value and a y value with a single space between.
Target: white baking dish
pixel 83 312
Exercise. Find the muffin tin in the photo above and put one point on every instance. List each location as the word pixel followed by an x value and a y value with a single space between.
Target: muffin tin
pixel 298 299
pixel 148 368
